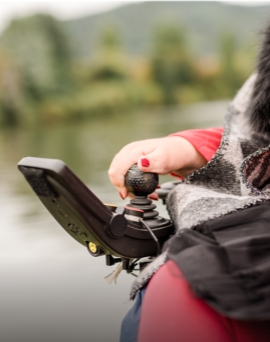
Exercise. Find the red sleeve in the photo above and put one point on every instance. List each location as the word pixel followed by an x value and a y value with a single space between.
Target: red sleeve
pixel 206 141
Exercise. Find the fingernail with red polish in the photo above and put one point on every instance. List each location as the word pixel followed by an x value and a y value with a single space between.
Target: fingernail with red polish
pixel 158 186
pixel 153 197
pixel 121 195
pixel 145 162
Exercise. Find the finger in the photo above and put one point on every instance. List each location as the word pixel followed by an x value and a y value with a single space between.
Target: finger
pixel 153 196
pixel 117 178
pixel 123 193
pixel 153 162
pixel 120 165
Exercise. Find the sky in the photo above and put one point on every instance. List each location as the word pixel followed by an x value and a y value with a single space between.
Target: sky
pixel 64 9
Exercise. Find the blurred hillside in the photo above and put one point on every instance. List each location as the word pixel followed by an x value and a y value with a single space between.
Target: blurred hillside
pixel 138 55
pixel 203 21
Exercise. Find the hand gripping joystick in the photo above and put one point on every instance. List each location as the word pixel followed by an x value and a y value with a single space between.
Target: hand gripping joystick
pixel 141 184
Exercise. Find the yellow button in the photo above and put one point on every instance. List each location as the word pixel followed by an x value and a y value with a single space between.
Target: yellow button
pixel 92 247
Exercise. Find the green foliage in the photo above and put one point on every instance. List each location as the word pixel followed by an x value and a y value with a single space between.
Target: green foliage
pixel 110 38
pixel 100 98
pixel 109 62
pixel 41 83
pixel 230 74
pixel 40 50
pixel 171 61
pixel 11 91
pixel 204 20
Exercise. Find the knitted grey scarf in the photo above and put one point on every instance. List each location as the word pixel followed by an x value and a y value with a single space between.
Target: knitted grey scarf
pixel 238 176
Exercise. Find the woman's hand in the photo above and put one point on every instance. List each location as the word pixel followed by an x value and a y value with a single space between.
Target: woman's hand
pixel 162 155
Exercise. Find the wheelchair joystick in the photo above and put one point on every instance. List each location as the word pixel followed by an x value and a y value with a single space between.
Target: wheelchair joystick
pixel 141 184
pixel 120 233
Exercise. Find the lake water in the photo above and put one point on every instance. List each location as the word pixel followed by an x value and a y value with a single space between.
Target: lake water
pixel 51 288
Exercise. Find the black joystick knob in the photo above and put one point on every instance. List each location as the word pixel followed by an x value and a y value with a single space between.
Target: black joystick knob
pixel 140 183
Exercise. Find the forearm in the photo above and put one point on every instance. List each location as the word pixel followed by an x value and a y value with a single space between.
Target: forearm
pixel 206 141
pixel 186 157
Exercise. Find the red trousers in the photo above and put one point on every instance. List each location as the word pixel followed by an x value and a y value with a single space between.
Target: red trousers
pixel 170 312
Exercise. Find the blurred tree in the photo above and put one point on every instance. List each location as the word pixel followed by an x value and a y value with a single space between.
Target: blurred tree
pixel 172 64
pixel 208 79
pixel 11 91
pixel 109 62
pixel 231 77
pixel 41 50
